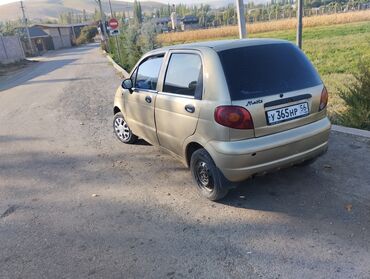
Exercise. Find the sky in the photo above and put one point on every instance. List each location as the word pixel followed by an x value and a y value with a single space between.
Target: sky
pixel 163 1
pixel 6 1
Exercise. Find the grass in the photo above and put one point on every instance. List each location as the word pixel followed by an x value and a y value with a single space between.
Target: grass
pixel 275 25
pixel 335 50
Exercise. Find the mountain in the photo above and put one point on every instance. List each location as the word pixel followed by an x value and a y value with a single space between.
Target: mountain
pixel 220 3
pixel 50 9
pixel 212 3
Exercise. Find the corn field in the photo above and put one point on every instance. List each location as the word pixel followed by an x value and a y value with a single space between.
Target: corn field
pixel 277 25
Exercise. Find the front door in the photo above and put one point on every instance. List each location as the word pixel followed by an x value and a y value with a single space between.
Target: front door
pixel 139 106
pixel 178 104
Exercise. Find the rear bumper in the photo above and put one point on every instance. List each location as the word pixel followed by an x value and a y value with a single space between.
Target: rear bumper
pixel 239 160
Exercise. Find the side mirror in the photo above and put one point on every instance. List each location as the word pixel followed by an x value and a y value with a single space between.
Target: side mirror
pixel 127 84
pixel 193 84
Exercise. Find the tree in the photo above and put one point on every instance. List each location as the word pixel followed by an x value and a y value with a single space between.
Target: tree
pixel 138 16
pixel 8 28
pixel 148 34
pixel 132 47
pixel 357 98
pixel 87 35
pixel 84 16
pixel 96 15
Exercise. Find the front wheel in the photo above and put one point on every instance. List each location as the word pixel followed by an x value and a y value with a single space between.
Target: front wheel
pixel 210 181
pixel 122 130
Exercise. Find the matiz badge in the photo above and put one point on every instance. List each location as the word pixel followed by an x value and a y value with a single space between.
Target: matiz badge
pixel 254 102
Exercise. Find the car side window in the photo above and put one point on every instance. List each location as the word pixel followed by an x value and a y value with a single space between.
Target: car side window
pixel 148 72
pixel 184 75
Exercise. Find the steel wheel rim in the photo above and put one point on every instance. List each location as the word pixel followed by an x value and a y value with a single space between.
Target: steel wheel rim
pixel 121 129
pixel 204 176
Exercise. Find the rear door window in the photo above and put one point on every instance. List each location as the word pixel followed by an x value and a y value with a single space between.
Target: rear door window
pixel 256 71
pixel 184 75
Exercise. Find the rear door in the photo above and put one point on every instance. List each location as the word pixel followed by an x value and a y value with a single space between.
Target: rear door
pixel 276 83
pixel 139 106
pixel 178 104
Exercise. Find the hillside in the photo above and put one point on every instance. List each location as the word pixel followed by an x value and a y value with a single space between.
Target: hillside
pixel 44 9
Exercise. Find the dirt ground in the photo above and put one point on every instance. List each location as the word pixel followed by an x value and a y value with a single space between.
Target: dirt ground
pixel 77 203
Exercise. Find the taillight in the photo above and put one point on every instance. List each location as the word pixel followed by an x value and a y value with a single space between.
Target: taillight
pixel 324 99
pixel 234 117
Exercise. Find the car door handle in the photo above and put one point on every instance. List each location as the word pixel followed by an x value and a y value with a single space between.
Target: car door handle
pixel 190 108
pixel 148 99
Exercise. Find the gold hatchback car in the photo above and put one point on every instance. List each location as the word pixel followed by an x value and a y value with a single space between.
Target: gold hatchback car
pixel 229 110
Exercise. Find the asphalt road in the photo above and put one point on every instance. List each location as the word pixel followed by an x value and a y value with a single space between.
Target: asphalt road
pixel 76 203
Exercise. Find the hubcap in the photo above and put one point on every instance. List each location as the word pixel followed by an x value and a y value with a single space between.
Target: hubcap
pixel 203 176
pixel 121 129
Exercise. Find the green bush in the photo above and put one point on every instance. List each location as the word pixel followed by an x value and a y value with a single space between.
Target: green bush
pixel 87 35
pixel 357 99
pixel 134 41
pixel 148 33
pixel 132 48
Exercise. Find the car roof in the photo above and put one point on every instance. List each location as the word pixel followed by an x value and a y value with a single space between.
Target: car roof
pixel 222 44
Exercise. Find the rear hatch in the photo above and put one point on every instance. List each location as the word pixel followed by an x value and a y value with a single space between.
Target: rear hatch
pixel 276 83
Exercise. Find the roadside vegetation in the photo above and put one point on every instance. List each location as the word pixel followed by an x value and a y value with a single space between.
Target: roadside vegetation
pixel 335 43
pixel 133 41
pixel 136 38
pixel 87 35
pixel 356 97
pixel 335 51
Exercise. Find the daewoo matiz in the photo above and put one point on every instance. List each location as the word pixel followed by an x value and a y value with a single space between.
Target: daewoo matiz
pixel 229 110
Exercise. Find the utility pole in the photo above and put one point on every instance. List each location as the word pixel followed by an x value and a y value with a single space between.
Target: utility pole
pixel 26 28
pixel 299 24
pixel 110 7
pixel 241 19
pixel 117 44
pixel 102 16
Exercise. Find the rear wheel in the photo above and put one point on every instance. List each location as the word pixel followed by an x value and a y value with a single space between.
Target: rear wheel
pixel 122 130
pixel 210 182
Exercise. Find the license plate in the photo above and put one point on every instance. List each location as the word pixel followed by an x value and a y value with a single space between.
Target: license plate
pixel 276 116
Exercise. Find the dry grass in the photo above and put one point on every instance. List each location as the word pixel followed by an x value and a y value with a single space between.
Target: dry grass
pixel 277 25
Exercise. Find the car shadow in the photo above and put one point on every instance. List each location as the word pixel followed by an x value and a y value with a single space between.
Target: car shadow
pixel 279 185
pixel 142 142
pixel 33 71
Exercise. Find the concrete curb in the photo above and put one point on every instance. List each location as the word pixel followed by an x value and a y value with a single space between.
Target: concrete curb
pixel 351 131
pixel 122 71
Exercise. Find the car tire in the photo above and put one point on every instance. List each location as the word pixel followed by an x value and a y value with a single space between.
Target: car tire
pixel 122 130
pixel 210 181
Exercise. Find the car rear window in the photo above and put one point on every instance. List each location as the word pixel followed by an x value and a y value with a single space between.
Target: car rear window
pixel 256 71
